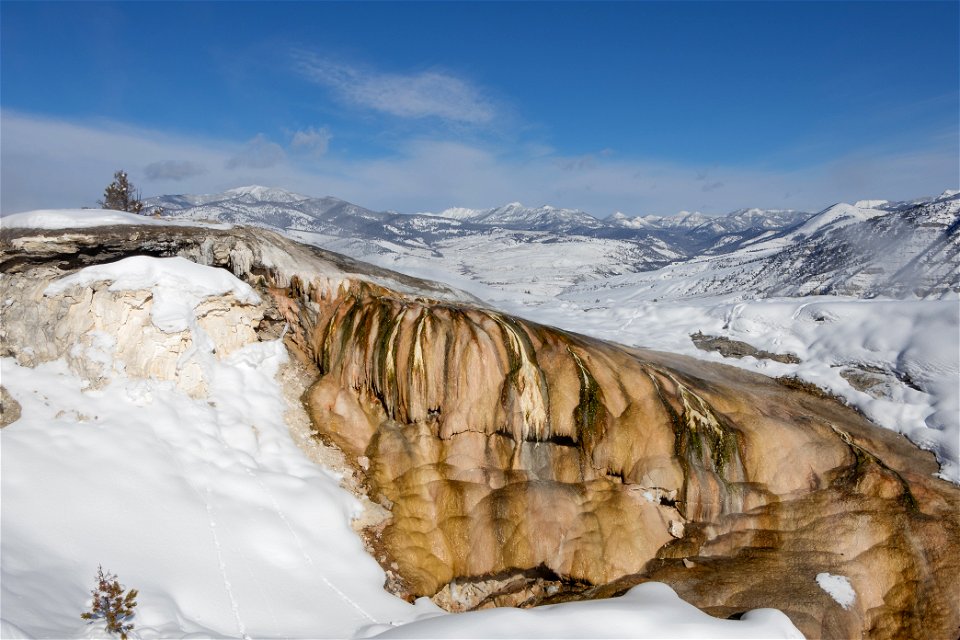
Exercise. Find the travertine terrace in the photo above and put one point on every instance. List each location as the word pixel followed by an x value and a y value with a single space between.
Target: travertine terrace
pixel 512 455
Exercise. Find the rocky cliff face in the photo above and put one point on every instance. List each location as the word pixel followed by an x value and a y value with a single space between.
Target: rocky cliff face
pixel 521 464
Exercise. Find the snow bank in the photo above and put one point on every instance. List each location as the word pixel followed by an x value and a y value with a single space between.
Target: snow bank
pixel 87 218
pixel 178 285
pixel 207 506
pixel 650 610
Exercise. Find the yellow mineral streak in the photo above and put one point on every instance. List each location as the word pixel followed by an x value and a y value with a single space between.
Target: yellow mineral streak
pixel 529 383
pixel 697 413
pixel 584 377
pixel 390 361
pixel 418 343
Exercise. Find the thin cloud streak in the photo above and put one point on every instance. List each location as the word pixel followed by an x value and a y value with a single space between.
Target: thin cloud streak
pixel 258 153
pixel 314 142
pixel 431 175
pixel 175 170
pixel 414 95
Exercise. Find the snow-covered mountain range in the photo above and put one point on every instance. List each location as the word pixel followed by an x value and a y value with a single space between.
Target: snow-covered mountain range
pixel 892 249
pixel 867 249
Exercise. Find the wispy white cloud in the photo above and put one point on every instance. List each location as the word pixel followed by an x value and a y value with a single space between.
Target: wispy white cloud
pixel 175 170
pixel 419 94
pixel 55 163
pixel 314 142
pixel 430 174
pixel 258 153
pixel 82 157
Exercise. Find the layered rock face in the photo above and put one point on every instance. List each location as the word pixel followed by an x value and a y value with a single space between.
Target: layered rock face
pixel 99 332
pixel 502 446
pixel 522 464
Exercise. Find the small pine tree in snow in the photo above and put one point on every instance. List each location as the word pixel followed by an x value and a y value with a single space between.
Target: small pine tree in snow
pixel 111 604
pixel 120 195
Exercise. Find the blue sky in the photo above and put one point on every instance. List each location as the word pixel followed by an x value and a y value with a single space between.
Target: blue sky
pixel 637 107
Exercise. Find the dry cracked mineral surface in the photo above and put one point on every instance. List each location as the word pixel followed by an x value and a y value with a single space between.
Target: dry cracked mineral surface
pixel 514 464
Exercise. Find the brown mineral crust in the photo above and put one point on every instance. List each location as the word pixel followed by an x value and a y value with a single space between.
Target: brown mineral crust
pixel 510 446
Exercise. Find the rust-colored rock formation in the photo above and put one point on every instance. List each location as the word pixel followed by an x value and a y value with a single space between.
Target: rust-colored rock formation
pixel 521 458
pixel 503 446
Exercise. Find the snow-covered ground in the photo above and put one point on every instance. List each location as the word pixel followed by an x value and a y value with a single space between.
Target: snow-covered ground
pixel 531 262
pixel 206 506
pixel 209 508
pixel 649 610
pixel 88 218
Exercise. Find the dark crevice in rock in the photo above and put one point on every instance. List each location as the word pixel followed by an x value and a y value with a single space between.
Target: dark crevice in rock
pixel 667 502
pixel 562 441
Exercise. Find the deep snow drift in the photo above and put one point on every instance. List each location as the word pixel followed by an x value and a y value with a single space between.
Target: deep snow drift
pixel 209 508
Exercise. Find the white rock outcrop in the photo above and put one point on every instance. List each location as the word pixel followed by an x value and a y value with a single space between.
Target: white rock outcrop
pixel 151 328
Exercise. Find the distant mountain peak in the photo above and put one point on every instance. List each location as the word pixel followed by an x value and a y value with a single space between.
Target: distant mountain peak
pixel 841 215
pixel 249 189
pixel 270 194
pixel 870 204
